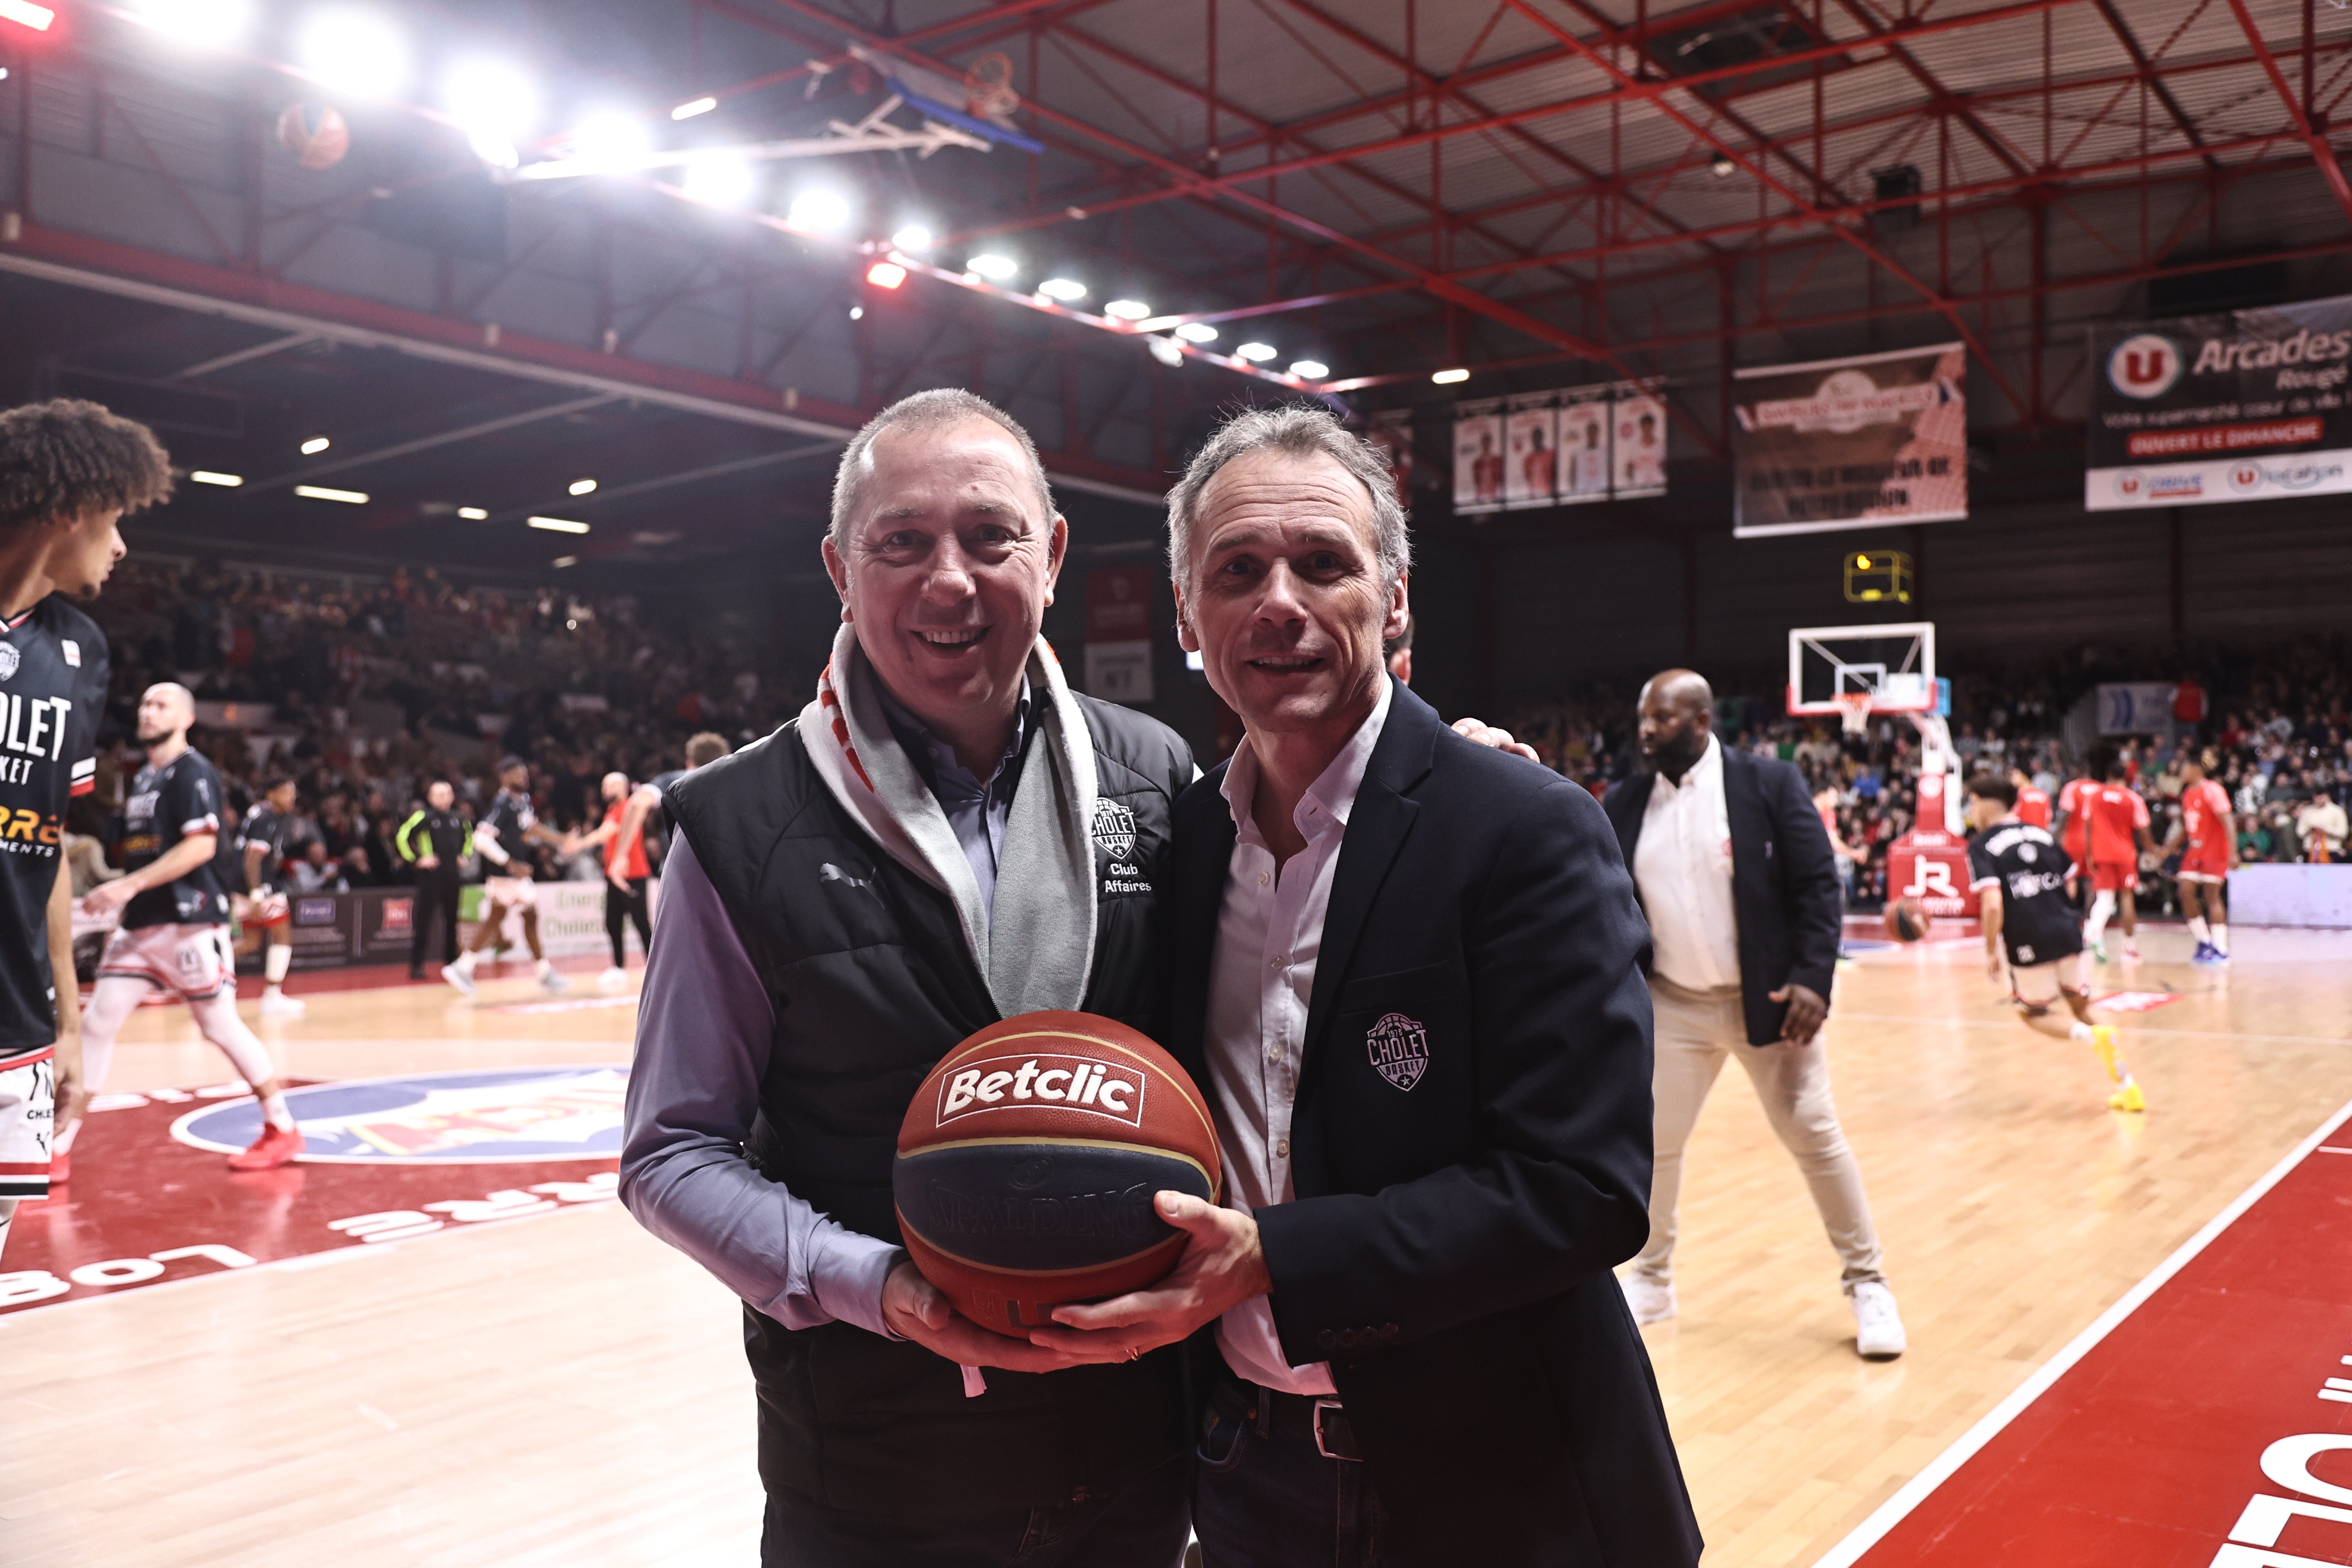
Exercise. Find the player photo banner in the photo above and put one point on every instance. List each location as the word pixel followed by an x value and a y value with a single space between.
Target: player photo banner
pixel 1850 443
pixel 2247 406
pixel 1563 448
pixel 1478 461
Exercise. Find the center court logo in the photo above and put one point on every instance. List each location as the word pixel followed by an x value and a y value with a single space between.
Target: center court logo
pixel 473 1116
pixel 2145 366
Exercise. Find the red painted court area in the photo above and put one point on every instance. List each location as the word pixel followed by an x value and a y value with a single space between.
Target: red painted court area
pixel 2205 1422
pixel 145 1209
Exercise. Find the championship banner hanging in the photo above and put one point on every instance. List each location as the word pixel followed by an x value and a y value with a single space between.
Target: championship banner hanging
pixel 1851 442
pixel 2248 405
pixel 1563 448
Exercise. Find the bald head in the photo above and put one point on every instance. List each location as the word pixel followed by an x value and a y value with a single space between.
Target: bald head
pixel 166 711
pixel 1678 718
pixel 616 786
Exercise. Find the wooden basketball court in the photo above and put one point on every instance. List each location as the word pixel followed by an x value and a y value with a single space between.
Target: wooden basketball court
pixel 559 1388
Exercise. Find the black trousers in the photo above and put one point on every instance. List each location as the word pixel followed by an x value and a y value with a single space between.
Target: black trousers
pixel 1141 1525
pixel 436 894
pixel 623 908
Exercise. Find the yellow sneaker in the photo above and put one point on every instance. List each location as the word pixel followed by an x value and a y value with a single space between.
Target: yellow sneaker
pixel 2103 1040
pixel 2128 1097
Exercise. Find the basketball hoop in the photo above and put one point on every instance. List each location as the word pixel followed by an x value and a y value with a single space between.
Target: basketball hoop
pixel 988 87
pixel 1853 712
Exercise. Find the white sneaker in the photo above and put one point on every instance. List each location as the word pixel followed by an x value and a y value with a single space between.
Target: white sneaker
pixel 1878 1323
pixel 1651 1300
pixel 553 984
pixel 613 979
pixel 460 980
pixel 277 1005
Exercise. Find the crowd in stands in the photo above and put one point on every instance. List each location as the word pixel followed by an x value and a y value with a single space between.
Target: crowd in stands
pixel 363 695
pixel 2277 724
pixel 374 692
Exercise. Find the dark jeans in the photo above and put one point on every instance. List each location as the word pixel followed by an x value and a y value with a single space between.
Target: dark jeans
pixel 1263 1497
pixel 1141 1525
pixel 620 908
pixel 435 892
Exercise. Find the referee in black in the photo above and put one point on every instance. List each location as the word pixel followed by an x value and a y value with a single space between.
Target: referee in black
pixel 434 840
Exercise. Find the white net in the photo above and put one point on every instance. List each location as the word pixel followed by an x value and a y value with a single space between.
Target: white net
pixel 1853 712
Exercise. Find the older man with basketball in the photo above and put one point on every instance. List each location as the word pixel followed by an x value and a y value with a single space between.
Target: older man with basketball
pixel 1409 979
pixel 919 855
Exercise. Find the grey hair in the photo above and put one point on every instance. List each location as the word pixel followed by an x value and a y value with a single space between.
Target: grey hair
pixel 941 408
pixel 1298 430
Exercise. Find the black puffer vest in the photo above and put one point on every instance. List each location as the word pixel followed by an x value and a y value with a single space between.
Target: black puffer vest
pixel 872 983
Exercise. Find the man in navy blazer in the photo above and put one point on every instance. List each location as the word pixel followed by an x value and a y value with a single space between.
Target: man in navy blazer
pixel 1734 868
pixel 1409 979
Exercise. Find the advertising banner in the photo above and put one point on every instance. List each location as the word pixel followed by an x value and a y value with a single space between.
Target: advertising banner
pixel 1850 443
pixel 2249 405
pixel 1118 633
pixel 1478 460
pixel 1533 477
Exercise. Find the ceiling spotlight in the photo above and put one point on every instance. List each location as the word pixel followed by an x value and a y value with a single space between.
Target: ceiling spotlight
pixel 205 477
pixel 608 139
pixel 992 265
pixel 561 562
pixel 1126 309
pixel 315 444
pixel 583 487
pixel 1197 332
pixel 474 514
pixel 886 275
pixel 1309 369
pixel 692 107
pixel 36 17
pixel 1063 289
pixel 1450 377
pixel 1256 353
pixel 1721 166
pixel 827 212
pixel 559 525
pixel 214 20
pixel 914 238
pixel 857 312
pixel 356 51
pixel 724 182
pixel 320 492
pixel 497 106
pixel 1165 351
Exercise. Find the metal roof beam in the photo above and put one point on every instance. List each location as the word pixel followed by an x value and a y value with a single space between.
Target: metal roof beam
pixel 2331 168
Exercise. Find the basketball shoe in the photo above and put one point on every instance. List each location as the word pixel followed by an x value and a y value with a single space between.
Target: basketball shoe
pixel 1877 1322
pixel 2206 954
pixel 276 1146
pixel 277 1005
pixel 460 976
pixel 2128 1097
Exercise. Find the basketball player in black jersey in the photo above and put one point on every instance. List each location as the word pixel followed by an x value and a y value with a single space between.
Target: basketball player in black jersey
pixel 2019 874
pixel 175 935
pixel 69 470
pixel 503 837
pixel 261 852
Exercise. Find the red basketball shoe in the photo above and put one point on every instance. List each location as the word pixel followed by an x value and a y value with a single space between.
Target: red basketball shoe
pixel 274 1148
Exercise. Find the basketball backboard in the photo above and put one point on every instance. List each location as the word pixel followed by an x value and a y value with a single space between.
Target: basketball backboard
pixel 1894 662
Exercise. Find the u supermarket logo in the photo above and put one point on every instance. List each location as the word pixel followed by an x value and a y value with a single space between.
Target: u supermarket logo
pixel 2145 366
pixel 1080 1083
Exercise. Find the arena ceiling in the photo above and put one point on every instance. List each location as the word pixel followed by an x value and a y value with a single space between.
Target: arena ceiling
pixel 1537 193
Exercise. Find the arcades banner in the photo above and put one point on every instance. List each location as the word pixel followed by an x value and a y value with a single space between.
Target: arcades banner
pixel 1850 443
pixel 2250 406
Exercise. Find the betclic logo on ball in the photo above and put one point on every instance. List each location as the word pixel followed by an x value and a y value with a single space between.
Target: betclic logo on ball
pixel 1081 1083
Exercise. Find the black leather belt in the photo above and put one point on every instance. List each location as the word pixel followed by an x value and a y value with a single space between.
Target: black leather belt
pixel 1324 1420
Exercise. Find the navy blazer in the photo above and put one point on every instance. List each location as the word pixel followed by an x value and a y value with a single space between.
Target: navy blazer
pixel 1470 1155
pixel 1784 885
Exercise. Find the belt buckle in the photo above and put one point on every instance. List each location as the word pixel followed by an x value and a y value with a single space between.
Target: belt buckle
pixel 1335 1440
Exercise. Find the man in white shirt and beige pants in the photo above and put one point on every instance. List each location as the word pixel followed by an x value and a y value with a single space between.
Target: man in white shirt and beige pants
pixel 1735 871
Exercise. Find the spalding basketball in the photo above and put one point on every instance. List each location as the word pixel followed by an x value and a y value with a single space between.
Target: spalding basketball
pixel 1906 920
pixel 1028 1161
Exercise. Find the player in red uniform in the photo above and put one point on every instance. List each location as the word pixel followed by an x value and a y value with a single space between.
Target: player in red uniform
pixel 2209 837
pixel 2115 834
pixel 2032 802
